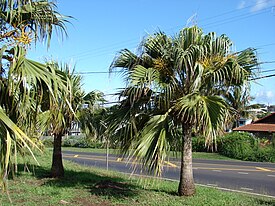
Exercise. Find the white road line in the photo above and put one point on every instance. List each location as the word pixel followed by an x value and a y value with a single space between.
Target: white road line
pixel 195 168
pixel 271 175
pixel 243 173
pixel 216 170
pixel 202 185
pixel 213 185
pixel 239 191
pixel 246 188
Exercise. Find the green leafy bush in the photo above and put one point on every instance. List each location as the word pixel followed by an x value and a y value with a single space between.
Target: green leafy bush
pixel 244 146
pixel 81 141
pixel 237 145
pixel 198 144
pixel 70 142
pixel 265 154
pixel 47 141
pixel 74 141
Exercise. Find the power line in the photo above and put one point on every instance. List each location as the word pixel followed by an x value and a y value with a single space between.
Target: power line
pixel 230 12
pixel 99 72
pixel 265 45
pixel 110 46
pixel 102 53
pixel 104 72
pixel 99 54
pixel 121 71
pixel 103 50
pixel 234 10
pixel 233 19
pixel 265 71
pixel 262 77
pixel 269 62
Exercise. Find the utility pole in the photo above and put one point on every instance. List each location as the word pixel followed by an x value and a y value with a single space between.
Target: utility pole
pixel 107 153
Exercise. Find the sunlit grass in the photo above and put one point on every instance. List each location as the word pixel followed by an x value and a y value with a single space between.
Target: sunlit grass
pixel 91 186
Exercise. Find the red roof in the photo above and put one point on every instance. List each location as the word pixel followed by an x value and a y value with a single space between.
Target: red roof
pixel 267 119
pixel 265 124
pixel 259 127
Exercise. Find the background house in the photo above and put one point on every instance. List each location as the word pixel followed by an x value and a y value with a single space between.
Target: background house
pixel 264 127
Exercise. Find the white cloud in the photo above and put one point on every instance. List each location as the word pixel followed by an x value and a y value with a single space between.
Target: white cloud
pixel 241 5
pixel 262 4
pixel 256 5
pixel 265 97
pixel 259 5
pixel 269 94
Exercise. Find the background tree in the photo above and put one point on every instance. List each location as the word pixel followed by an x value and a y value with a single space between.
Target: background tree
pixel 173 90
pixel 92 116
pixel 238 98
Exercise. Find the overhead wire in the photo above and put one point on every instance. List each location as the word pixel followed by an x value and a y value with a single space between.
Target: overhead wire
pixel 105 50
pixel 262 77
pixel 98 72
pixel 209 25
pixel 232 11
pixel 110 46
pixel 235 10
pixel 233 19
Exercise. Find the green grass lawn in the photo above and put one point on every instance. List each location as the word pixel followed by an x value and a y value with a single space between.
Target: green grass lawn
pixel 91 186
pixel 196 155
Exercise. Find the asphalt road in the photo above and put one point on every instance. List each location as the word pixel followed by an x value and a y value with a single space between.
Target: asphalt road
pixel 249 177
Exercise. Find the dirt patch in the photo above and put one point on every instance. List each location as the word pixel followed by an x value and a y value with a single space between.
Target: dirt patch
pixel 108 184
pixel 93 200
pixel 113 188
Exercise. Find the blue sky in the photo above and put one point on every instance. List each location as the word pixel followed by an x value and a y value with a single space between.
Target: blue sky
pixel 101 28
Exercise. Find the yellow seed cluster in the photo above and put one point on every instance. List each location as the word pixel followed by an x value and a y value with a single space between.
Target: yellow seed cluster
pixel 161 65
pixel 23 37
pixel 213 61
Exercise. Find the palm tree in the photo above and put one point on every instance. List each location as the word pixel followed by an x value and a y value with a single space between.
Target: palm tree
pixel 172 92
pixel 22 80
pixel 91 118
pixel 61 113
pixel 238 98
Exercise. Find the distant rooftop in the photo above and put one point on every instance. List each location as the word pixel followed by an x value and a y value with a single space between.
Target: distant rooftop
pixel 265 124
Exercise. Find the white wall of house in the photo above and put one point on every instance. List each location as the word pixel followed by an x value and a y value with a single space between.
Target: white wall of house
pixel 244 121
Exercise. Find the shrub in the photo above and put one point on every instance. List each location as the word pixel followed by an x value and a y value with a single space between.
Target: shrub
pixel 198 144
pixel 265 154
pixel 47 142
pixel 81 141
pixel 245 146
pixel 238 145
pixel 69 142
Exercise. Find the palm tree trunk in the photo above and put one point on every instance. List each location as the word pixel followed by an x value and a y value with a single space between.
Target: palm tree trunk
pixel 186 185
pixel 57 169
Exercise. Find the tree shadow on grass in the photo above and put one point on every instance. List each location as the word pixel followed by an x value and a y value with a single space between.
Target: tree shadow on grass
pixel 266 202
pixel 97 184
